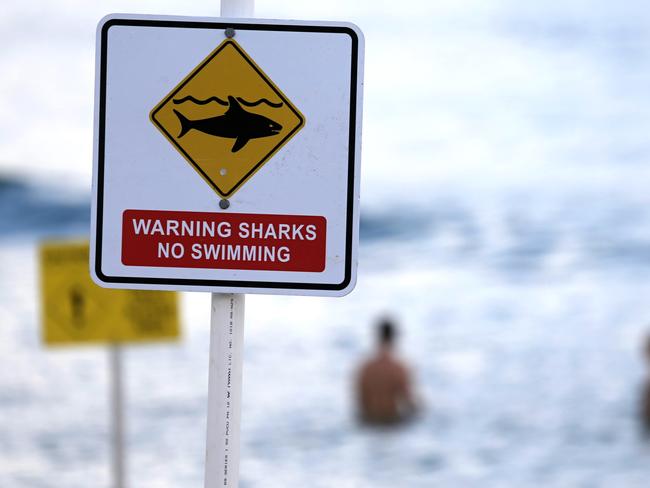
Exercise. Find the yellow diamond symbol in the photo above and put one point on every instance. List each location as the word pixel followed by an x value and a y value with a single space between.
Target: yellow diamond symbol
pixel 227 118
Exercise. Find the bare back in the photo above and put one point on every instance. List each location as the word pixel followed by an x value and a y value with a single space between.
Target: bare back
pixel 384 393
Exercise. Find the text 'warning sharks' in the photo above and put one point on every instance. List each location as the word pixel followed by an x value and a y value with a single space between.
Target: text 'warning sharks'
pixel 227 118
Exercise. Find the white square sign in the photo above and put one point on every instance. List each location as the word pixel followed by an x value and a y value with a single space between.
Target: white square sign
pixel 227 155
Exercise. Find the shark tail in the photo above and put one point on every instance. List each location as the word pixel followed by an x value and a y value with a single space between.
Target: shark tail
pixel 186 124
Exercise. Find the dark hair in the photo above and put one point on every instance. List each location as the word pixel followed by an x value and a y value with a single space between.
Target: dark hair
pixel 386 331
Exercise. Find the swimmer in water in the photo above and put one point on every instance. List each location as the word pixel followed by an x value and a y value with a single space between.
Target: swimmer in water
pixel 383 386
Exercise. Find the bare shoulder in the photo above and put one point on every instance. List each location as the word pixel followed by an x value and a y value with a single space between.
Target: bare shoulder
pixel 400 366
pixel 366 368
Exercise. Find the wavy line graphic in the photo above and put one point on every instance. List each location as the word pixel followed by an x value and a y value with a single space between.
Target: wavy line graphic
pixel 190 98
pixel 261 100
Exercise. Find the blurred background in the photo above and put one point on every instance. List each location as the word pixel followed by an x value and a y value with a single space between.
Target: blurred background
pixel 505 224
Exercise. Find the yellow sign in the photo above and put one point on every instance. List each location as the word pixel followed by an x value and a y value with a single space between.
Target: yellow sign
pixel 227 118
pixel 76 310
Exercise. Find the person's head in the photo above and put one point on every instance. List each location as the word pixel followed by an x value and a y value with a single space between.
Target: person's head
pixel 386 332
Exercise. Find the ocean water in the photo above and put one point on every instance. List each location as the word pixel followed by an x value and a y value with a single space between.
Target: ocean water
pixel 522 319
pixel 505 224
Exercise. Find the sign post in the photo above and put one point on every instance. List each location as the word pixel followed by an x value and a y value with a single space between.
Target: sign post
pixel 117 415
pixel 75 311
pixel 227 313
pixel 227 160
pixel 224 390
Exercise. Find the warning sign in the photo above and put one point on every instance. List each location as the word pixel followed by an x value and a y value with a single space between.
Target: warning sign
pixel 227 155
pixel 75 310
pixel 224 241
pixel 227 118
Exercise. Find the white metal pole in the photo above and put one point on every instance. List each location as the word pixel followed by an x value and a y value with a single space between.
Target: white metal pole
pixel 117 416
pixel 226 360
pixel 224 391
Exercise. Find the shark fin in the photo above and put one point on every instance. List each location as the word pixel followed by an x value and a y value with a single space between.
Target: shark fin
pixel 186 124
pixel 239 143
pixel 233 105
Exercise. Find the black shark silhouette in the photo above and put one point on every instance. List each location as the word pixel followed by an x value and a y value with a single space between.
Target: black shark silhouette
pixel 236 124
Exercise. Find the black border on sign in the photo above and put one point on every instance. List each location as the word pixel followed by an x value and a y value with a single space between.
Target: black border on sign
pixel 351 154
pixel 265 158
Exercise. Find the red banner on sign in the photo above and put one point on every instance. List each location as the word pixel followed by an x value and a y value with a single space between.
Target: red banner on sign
pixel 223 240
